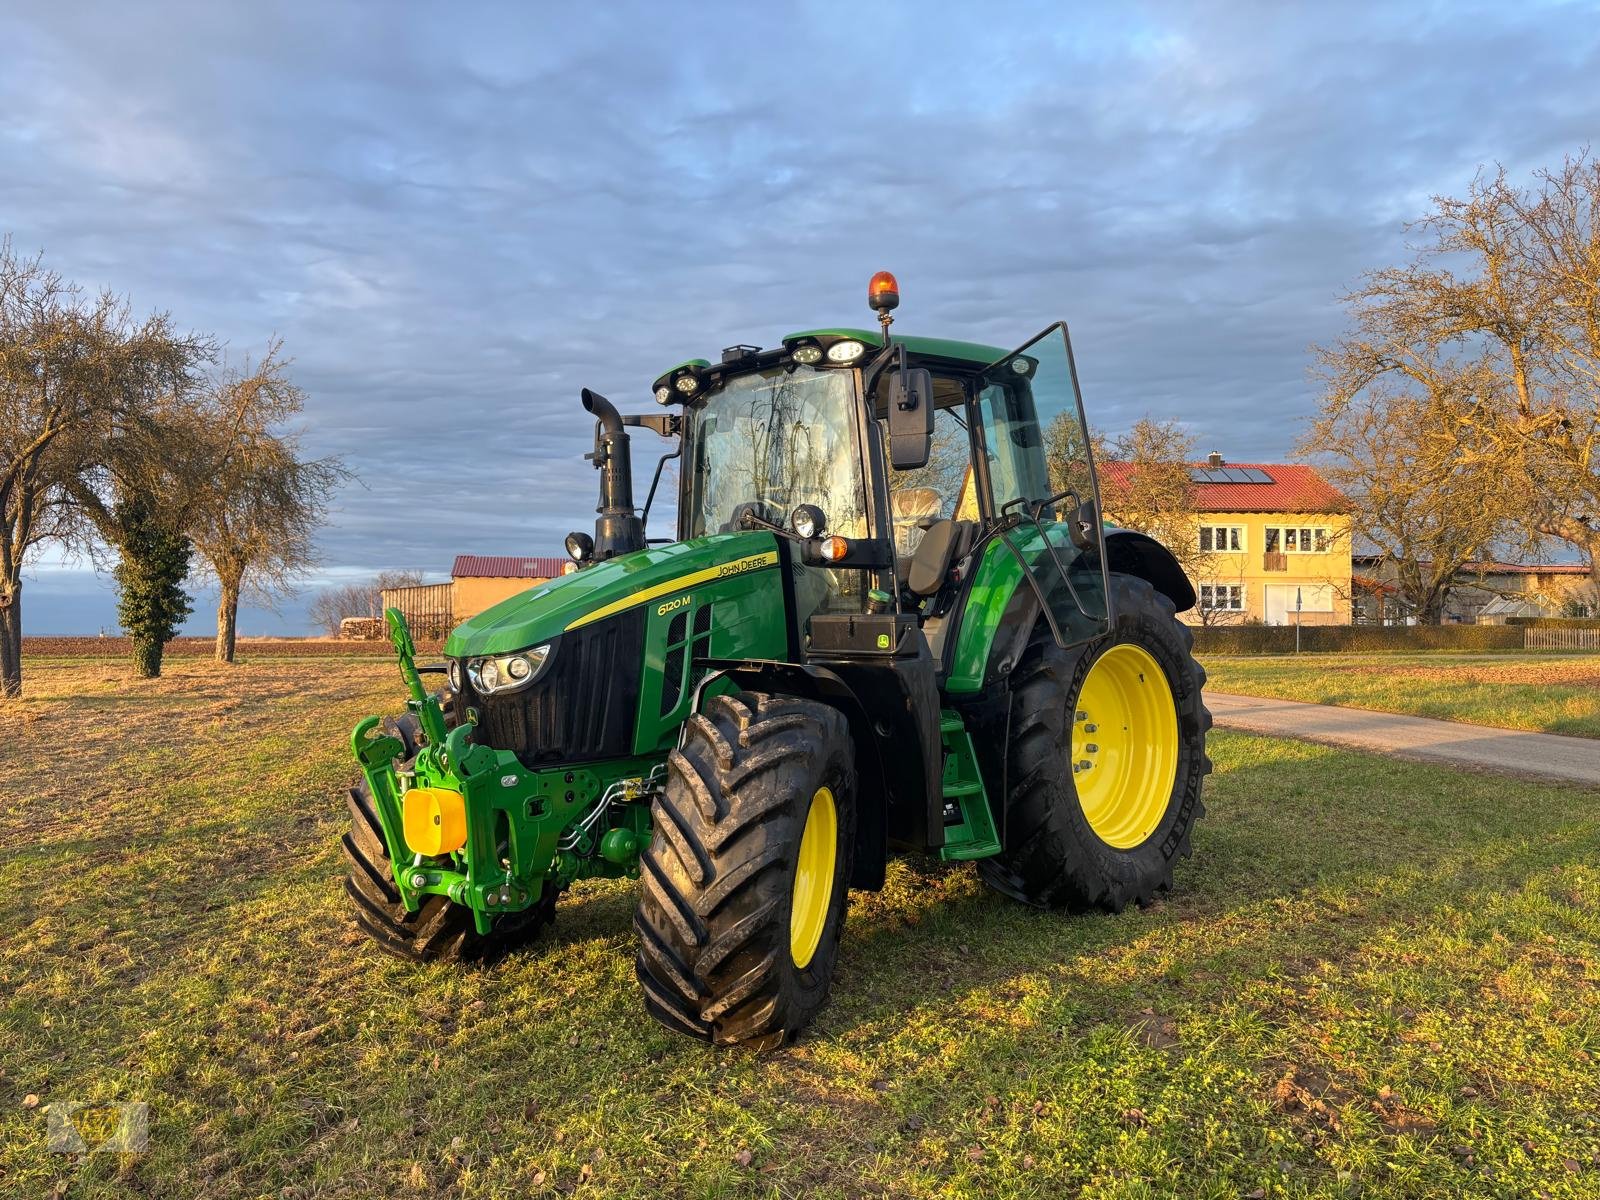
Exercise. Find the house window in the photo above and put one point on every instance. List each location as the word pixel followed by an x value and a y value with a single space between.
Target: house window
pixel 1221 537
pixel 1222 597
pixel 1296 539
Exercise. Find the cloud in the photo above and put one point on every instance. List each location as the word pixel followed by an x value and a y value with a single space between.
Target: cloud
pixel 456 221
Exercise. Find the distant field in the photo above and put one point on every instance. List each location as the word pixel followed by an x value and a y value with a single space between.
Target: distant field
pixel 119 647
pixel 1551 692
pixel 1374 979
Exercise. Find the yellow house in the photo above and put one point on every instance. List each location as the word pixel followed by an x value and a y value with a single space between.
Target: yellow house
pixel 480 581
pixel 477 582
pixel 1270 542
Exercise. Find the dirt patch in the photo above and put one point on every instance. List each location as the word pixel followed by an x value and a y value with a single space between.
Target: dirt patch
pixel 189 647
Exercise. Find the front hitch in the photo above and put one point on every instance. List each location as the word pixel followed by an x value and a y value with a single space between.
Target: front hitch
pixel 525 830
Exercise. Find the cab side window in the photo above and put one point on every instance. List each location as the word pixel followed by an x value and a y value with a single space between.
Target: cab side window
pixel 942 488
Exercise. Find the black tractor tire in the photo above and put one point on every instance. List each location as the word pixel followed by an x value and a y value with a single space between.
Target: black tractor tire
pixel 440 930
pixel 715 958
pixel 1053 858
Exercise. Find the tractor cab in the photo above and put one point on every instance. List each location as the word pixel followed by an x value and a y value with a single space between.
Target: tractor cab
pixel 915 453
pixel 890 620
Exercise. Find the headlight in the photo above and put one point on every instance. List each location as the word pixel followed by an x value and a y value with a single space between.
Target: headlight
pixel 807 521
pixel 687 384
pixel 507 672
pixel 808 354
pixel 846 351
pixel 663 394
pixel 580 546
pixel 454 674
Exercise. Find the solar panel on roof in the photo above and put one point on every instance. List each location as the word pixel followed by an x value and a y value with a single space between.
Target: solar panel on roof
pixel 1229 475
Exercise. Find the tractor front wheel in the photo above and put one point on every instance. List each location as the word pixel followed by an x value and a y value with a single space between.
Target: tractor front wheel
pixel 440 930
pixel 1106 759
pixel 746 874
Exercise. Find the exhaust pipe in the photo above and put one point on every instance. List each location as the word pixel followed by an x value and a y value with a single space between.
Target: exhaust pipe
pixel 618 529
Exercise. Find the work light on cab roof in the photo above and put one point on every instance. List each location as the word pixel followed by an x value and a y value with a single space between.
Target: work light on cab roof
pixel 844 649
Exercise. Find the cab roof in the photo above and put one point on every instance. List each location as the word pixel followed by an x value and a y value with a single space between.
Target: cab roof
pixel 975 353
pixel 969 354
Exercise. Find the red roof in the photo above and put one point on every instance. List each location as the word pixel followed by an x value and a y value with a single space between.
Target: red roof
pixel 501 566
pixel 1295 488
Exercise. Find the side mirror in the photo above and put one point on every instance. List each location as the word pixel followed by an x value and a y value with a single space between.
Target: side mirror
pixel 910 417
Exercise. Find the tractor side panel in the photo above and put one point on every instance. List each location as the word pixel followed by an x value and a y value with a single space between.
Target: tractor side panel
pixel 740 616
pixel 983 611
pixel 1000 608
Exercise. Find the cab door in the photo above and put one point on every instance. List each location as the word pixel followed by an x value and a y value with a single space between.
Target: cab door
pixel 1042 479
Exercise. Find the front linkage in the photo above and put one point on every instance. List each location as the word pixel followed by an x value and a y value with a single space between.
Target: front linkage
pixel 475 825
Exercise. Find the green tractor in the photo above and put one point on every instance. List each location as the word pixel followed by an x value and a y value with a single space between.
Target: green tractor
pixel 891 620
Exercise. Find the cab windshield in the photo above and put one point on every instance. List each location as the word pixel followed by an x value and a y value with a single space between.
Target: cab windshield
pixel 771 440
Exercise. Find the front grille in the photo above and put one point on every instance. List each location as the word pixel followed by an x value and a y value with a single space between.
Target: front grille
pixel 584 709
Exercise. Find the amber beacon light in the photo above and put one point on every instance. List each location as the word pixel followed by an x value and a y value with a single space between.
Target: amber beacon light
pixel 883 292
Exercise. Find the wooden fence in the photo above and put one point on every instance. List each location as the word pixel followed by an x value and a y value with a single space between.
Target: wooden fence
pixel 1543 637
pixel 427 608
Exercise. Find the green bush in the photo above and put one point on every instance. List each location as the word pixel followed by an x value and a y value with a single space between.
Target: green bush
pixel 1354 639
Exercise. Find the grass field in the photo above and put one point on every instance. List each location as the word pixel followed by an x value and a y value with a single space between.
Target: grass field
pixel 1550 692
pixel 1374 979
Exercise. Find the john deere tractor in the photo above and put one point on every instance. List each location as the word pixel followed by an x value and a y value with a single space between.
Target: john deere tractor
pixel 891 620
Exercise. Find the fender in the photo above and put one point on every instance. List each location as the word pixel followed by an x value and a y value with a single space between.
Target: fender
pixel 997 609
pixel 1135 553
pixel 873 781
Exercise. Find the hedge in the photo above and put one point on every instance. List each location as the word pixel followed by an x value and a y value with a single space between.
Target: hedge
pixel 1329 639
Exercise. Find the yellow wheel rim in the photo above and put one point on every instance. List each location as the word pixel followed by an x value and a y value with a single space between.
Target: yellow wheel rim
pixel 813 877
pixel 1125 745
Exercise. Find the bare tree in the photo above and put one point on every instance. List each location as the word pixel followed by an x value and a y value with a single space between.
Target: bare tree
pixel 1506 285
pixel 259 503
pixel 1430 493
pixel 138 487
pixel 334 605
pixel 73 371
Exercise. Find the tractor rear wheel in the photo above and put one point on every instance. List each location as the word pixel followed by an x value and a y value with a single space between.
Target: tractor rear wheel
pixel 440 930
pixel 745 878
pixel 1106 759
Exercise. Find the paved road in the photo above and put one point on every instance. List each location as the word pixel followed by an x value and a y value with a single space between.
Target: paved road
pixel 1545 755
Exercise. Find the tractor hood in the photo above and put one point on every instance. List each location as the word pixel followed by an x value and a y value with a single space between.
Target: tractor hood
pixel 614 586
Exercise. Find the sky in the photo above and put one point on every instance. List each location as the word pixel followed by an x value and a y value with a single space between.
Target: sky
pixel 456 216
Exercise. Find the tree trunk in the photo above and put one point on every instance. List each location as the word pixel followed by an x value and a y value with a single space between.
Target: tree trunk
pixel 11 645
pixel 227 620
pixel 147 658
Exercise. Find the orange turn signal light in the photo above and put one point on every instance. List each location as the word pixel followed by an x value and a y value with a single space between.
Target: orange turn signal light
pixel 883 291
pixel 835 548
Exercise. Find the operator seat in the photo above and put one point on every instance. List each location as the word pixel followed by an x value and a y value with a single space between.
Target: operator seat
pixel 943 545
pixel 930 565
pixel 911 511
